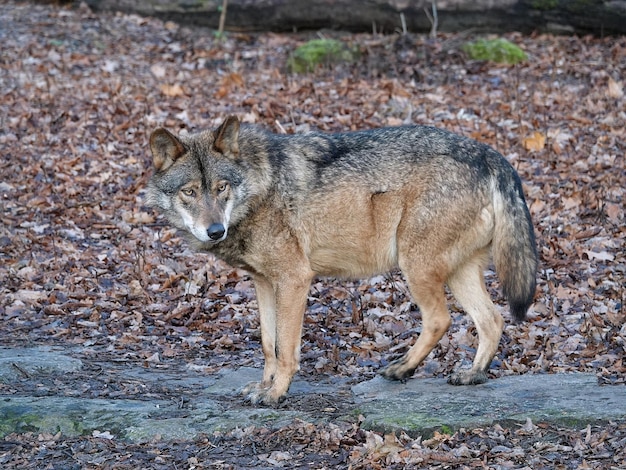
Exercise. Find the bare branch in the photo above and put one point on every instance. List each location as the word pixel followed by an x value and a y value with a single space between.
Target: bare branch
pixel 220 30
pixel 433 18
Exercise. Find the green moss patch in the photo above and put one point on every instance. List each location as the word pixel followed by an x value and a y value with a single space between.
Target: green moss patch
pixel 495 50
pixel 545 4
pixel 318 52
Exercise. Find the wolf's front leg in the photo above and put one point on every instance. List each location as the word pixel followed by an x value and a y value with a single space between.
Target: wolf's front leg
pixel 281 307
pixel 266 300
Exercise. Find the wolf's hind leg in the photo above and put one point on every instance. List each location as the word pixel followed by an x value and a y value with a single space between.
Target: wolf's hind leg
pixel 468 287
pixel 428 294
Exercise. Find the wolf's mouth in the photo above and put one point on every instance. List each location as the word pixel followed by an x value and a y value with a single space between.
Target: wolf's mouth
pixel 213 242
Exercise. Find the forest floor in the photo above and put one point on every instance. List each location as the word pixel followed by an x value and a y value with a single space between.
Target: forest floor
pixel 84 264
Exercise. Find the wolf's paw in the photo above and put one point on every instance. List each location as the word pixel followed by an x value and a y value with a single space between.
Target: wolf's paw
pixel 254 387
pixel 468 377
pixel 398 370
pixel 258 394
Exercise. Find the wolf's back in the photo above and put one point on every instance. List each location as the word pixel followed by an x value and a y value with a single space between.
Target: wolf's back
pixel 514 251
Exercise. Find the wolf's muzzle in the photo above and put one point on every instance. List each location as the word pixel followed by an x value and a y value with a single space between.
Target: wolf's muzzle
pixel 216 232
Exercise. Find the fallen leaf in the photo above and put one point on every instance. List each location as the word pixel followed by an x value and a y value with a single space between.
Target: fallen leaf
pixel 102 435
pixel 615 89
pixel 229 83
pixel 158 71
pixel 30 296
pixel 154 358
pixel 535 142
pixel 614 212
pixel 600 256
pixel 571 202
pixel 172 90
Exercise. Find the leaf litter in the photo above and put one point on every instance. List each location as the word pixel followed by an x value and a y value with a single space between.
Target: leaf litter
pixel 85 263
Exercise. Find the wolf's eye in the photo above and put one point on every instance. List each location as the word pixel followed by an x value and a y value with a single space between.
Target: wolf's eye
pixel 188 192
pixel 221 187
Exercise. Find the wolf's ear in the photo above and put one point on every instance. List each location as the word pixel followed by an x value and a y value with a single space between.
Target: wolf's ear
pixel 227 137
pixel 166 148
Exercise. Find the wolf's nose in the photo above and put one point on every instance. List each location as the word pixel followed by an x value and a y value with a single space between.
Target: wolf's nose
pixel 216 231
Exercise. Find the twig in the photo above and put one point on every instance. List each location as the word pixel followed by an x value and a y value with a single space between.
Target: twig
pixel 220 30
pixel 403 21
pixel 194 314
pixel 280 126
pixel 21 371
pixel 434 19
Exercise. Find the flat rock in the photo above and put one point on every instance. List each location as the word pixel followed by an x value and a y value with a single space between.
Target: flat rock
pixel 25 362
pixel 418 406
pixel 423 405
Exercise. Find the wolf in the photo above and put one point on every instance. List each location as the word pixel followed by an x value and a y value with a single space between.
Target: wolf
pixel 288 208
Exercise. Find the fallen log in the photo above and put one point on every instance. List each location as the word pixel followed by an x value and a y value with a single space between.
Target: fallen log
pixel 597 17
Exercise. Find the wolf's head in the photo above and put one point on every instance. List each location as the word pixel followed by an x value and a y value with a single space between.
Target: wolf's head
pixel 197 181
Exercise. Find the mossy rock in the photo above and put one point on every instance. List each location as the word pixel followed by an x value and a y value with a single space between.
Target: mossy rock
pixel 495 50
pixel 316 52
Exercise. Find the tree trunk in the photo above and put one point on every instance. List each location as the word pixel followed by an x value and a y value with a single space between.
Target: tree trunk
pixel 599 17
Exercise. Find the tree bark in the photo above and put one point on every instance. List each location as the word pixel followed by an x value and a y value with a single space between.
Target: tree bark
pixel 598 17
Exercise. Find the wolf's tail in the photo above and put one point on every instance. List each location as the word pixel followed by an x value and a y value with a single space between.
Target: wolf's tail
pixel 514 252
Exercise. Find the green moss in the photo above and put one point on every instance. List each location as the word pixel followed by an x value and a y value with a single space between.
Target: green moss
pixel 319 52
pixel 413 423
pixel 545 4
pixel 445 429
pixel 495 50
pixel 16 421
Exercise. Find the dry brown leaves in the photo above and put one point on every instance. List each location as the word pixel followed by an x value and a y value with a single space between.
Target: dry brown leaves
pixel 83 262
pixel 332 446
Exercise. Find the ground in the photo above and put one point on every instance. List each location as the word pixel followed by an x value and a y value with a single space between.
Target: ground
pixel 84 264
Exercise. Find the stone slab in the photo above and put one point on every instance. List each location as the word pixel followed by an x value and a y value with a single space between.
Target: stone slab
pixel 422 405
pixel 418 406
pixel 19 362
